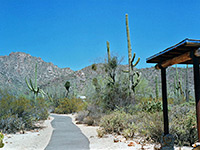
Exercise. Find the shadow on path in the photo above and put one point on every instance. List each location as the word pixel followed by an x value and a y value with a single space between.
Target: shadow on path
pixel 66 135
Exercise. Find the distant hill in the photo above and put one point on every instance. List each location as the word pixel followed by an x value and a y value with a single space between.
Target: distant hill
pixel 16 66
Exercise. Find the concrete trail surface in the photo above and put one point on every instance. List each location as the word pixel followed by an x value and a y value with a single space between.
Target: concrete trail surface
pixel 66 135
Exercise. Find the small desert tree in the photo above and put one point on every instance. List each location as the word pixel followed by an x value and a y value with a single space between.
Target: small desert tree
pixel 67 86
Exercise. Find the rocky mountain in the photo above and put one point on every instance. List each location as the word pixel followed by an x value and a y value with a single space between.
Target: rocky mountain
pixel 15 67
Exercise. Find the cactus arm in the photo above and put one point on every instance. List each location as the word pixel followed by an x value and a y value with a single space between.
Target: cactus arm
pixel 108 51
pixel 137 81
pixel 133 58
pixel 42 93
pixel 29 86
pixel 37 90
pixel 133 65
pixel 35 76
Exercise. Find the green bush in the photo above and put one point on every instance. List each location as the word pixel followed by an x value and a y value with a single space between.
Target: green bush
pixel 183 125
pixel 91 116
pixel 153 124
pixel 151 106
pixel 117 122
pixel 20 113
pixel 81 115
pixel 70 105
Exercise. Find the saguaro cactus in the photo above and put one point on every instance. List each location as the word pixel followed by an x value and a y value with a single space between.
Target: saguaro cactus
pixel 34 88
pixel 134 76
pixel 187 91
pixel 111 65
pixel 157 88
pixel 108 51
pixel 178 90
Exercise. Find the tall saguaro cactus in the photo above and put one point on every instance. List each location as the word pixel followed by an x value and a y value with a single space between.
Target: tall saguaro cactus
pixel 34 88
pixel 187 91
pixel 108 51
pixel 157 88
pixel 134 76
pixel 111 65
pixel 178 90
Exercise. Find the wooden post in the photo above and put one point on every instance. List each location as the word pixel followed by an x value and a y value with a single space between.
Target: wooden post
pixel 197 89
pixel 164 101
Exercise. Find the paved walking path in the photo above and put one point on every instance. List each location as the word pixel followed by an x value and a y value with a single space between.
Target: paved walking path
pixel 66 135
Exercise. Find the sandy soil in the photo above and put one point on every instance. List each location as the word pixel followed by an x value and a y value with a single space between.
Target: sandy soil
pixel 38 140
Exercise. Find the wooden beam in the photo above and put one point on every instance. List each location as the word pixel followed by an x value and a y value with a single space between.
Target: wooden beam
pixel 164 101
pixel 197 90
pixel 177 60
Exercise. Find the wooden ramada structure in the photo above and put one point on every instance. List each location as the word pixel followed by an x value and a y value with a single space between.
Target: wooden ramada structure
pixel 185 52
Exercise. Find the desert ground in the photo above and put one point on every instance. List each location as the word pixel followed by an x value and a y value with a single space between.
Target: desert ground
pixel 39 138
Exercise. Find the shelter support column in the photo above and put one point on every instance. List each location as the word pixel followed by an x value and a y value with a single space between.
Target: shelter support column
pixel 197 90
pixel 164 101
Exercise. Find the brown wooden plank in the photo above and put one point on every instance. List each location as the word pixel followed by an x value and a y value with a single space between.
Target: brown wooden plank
pixel 175 60
pixel 179 59
pixel 197 90
pixel 164 101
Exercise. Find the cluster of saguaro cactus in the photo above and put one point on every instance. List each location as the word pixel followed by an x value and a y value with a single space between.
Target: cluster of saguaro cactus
pixel 134 76
pixel 1 140
pixel 34 87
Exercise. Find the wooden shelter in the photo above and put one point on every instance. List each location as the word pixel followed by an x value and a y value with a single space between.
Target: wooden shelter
pixel 185 52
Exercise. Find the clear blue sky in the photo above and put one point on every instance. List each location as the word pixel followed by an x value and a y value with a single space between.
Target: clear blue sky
pixel 73 33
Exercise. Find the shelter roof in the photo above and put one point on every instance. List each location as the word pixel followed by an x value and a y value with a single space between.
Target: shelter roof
pixel 182 47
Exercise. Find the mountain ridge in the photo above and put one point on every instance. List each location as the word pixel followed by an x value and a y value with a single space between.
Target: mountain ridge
pixel 17 66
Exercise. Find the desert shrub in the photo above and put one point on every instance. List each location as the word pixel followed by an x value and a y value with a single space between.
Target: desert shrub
pixel 129 131
pixel 116 122
pixel 81 115
pixel 183 124
pixel 154 126
pixel 94 67
pixel 70 105
pixel 100 132
pixel 88 120
pixel 20 113
pixel 91 116
pixel 41 109
pixel 151 106
pixel 13 123
pixel 149 125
